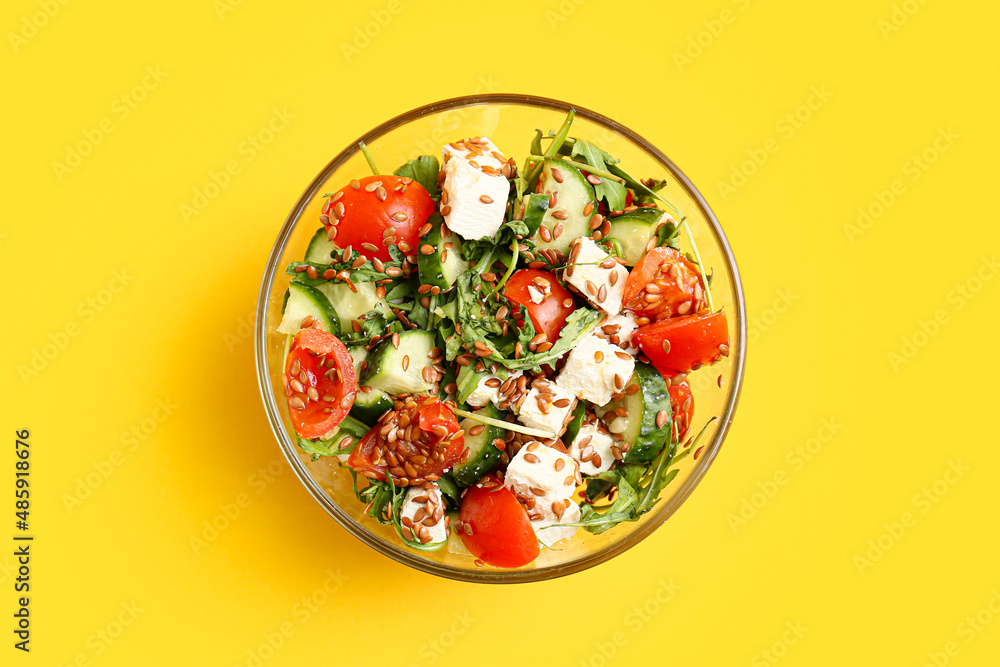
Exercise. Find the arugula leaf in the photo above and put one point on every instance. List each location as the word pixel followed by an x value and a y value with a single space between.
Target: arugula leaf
pixel 329 446
pixel 423 170
pixel 580 323
pixel 612 192
pixel 623 509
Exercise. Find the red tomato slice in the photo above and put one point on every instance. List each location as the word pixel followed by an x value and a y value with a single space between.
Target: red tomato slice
pixel 361 215
pixel 664 284
pixel 430 444
pixel 681 404
pixel 550 315
pixel 681 344
pixel 319 382
pixel 501 531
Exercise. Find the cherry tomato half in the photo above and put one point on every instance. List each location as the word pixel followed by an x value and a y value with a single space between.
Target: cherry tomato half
pixel 431 443
pixel 681 404
pixel 319 382
pixel 680 344
pixel 501 531
pixel 663 284
pixel 363 214
pixel 550 315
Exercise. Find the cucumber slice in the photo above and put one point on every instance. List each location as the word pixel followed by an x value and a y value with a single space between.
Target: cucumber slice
pixel 535 206
pixel 483 456
pixel 434 271
pixel 385 364
pixel 642 406
pixel 573 196
pixel 350 305
pixel 368 406
pixel 635 230
pixel 320 248
pixel 306 301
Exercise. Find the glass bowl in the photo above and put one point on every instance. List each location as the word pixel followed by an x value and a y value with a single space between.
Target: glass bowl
pixel 510 120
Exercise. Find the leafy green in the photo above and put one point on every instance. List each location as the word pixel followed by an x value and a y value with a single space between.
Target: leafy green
pixel 580 323
pixel 423 170
pixel 612 192
pixel 639 488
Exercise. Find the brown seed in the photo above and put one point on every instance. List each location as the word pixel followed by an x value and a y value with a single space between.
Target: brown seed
pixel 544 347
pixel 596 461
pixel 296 386
pixel 661 418
pixel 493 383
pixel 558 175
pixel 486 199
pixel 296 403
pixel 591 287
pixel 477 429
pixel 602 294
pixel 544 232
pixel 619 382
pixel 560 215
pixel 395 340
pixel 684 308
pixel 596 221
pixel 569 480
pixel 531 458
pixel 537 491
pixel 406 361
pixel 426 249
pixel 312 394
pixel 446 211
pixel 599 356
pixel 594 180
pixel 666 346
pixel 724 350
pixel 338 210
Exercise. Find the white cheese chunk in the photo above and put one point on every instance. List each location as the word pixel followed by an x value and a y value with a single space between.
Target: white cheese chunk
pixel 591 369
pixel 476 201
pixel 591 280
pixel 484 394
pixel 592 450
pixel 552 418
pixel 550 536
pixel 482 151
pixel 425 502
pixel 542 476
pixel 617 330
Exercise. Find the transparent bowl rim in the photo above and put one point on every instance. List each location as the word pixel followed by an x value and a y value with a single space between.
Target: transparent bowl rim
pixel 400 554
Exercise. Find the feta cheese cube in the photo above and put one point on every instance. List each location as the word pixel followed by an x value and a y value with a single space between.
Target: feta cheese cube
pixel 484 394
pixel 617 330
pixel 423 514
pixel 480 150
pixel 476 191
pixel 592 281
pixel 542 476
pixel 592 450
pixel 551 418
pixel 592 368
pixel 558 532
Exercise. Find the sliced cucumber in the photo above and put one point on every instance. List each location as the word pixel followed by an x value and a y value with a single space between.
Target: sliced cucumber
pixel 483 456
pixel 433 270
pixel 535 206
pixel 350 305
pixel 385 364
pixel 320 248
pixel 642 406
pixel 634 231
pixel 368 405
pixel 306 301
pixel 573 196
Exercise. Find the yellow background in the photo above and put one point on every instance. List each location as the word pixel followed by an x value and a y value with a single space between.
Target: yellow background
pixel 828 307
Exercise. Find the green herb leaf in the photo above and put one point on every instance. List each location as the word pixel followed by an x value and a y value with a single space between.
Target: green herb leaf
pixel 612 192
pixel 423 170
